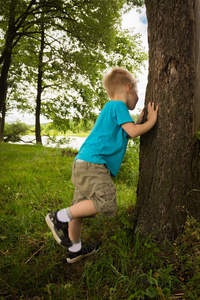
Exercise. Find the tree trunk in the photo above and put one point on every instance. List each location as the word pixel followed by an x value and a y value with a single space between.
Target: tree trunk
pixel 39 89
pixel 6 56
pixel 169 181
pixel 10 41
pixel 2 123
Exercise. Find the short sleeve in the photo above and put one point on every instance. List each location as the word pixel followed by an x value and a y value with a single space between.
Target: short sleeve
pixel 122 113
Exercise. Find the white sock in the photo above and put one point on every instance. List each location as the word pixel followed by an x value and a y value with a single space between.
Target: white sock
pixel 75 247
pixel 63 216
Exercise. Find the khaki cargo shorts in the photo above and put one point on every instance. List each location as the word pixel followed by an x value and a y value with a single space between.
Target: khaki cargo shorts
pixel 93 181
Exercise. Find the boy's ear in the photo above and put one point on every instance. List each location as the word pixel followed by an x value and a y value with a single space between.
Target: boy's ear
pixel 128 87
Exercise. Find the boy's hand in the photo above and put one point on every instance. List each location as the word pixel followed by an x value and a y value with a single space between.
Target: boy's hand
pixel 139 120
pixel 152 113
pixel 134 130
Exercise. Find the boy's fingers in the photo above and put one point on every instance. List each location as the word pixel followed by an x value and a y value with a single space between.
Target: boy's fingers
pixel 151 106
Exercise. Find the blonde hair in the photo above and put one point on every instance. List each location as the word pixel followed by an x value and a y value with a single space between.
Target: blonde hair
pixel 116 78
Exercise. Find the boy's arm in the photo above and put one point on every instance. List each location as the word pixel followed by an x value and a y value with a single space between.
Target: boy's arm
pixel 134 130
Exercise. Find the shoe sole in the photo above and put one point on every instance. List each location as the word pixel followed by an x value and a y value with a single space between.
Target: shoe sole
pixel 51 226
pixel 76 259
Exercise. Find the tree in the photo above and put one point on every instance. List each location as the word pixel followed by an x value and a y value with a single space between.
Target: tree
pixel 78 83
pixel 86 22
pixel 78 33
pixel 169 180
pixel 14 131
pixel 72 69
pixel 39 82
pixel 15 22
pixel 21 80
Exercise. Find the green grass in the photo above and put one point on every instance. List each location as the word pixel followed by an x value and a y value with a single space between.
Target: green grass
pixel 35 180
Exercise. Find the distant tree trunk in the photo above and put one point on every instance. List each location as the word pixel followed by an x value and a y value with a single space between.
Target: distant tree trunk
pixel 2 122
pixel 3 79
pixel 39 89
pixel 5 59
pixel 169 181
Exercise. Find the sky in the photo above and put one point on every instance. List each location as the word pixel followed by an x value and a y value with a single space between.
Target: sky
pixel 139 22
pixel 133 19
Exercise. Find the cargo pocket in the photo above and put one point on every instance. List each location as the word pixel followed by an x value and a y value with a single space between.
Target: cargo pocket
pixel 105 200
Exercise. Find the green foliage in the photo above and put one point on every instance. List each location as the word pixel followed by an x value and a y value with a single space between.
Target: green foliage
pixel 82 92
pixel 129 171
pixel 82 40
pixel 75 126
pixel 136 2
pixel 13 131
pixel 52 131
pixel 35 180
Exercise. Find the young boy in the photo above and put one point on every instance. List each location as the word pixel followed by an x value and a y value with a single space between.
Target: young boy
pixel 100 157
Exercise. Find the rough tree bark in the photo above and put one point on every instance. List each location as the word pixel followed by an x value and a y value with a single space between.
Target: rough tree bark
pixel 169 181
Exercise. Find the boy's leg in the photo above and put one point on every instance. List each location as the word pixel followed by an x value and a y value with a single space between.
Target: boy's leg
pixel 78 250
pixel 59 222
pixel 83 209
pixel 75 227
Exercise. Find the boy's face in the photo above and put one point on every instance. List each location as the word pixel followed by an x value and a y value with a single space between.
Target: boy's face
pixel 132 96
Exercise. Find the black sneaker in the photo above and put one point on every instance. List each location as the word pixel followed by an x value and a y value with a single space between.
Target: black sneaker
pixel 59 229
pixel 86 250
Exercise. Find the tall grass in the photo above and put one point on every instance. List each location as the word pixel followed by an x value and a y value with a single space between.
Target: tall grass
pixel 35 180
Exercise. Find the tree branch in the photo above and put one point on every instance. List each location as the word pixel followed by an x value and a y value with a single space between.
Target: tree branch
pixel 19 21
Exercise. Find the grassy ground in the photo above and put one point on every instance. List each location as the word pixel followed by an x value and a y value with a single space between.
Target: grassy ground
pixel 35 180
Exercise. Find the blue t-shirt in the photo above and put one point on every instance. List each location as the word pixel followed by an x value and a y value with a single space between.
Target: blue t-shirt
pixel 107 141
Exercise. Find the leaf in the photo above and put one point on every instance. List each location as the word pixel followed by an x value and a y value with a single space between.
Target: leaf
pixel 151 292
pixel 166 291
pixel 152 280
